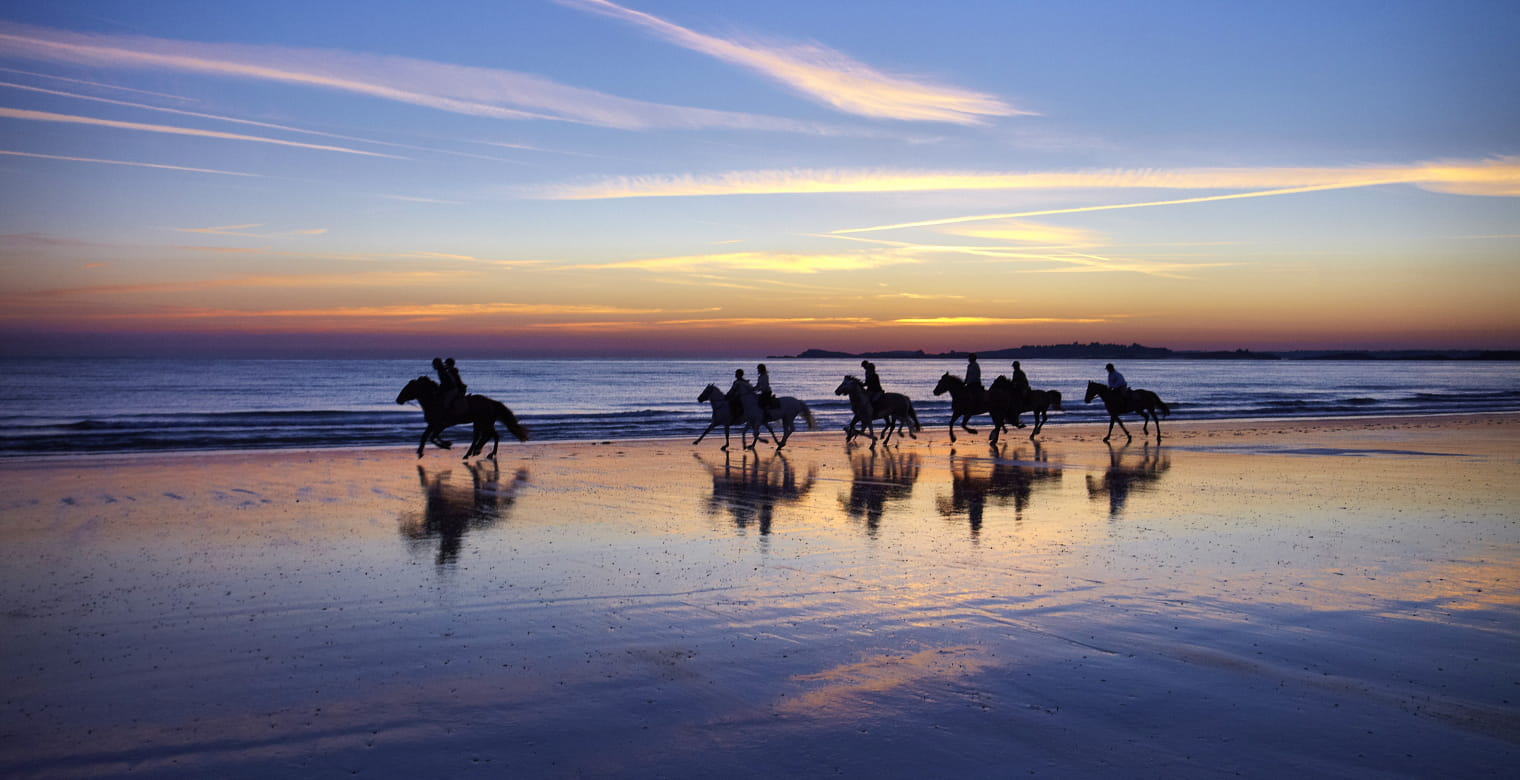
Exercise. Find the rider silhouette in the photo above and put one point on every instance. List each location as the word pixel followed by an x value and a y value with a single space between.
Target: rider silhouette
pixel 763 388
pixel 974 378
pixel 449 383
pixel 1020 381
pixel 873 382
pixel 1116 381
pixel 736 392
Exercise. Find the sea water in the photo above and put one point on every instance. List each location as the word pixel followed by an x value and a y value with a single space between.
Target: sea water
pixel 57 406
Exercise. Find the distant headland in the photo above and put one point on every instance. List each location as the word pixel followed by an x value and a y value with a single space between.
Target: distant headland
pixel 1097 351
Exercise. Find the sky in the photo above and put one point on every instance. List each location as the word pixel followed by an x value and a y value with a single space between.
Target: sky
pixel 673 178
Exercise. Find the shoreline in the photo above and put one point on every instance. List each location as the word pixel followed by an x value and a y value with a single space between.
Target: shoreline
pixel 1055 427
pixel 1337 598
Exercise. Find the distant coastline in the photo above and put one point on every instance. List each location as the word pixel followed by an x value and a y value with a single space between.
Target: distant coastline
pixel 1098 351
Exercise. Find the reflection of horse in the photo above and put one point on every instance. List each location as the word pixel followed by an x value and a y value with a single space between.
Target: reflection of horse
pixel 751 491
pixel 751 418
pixel 451 510
pixel 894 409
pixel 1119 479
pixel 964 403
pixel 1142 402
pixel 974 480
pixel 479 410
pixel 876 480
pixel 1005 405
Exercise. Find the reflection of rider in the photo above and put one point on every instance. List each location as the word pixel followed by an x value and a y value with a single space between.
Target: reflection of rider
pixel 873 382
pixel 763 388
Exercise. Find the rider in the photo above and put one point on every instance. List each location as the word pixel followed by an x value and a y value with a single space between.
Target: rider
pixel 451 386
pixel 1020 381
pixel 974 378
pixel 873 382
pixel 763 388
pixel 1116 381
pixel 736 392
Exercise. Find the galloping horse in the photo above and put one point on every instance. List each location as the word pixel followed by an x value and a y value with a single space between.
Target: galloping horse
pixel 479 410
pixel 894 409
pixel 963 403
pixel 1005 406
pixel 1142 402
pixel 788 411
pixel 751 419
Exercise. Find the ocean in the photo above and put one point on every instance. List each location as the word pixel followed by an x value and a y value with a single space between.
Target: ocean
pixel 57 406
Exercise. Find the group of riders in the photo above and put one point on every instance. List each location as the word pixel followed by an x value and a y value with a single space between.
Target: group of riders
pixel 453 387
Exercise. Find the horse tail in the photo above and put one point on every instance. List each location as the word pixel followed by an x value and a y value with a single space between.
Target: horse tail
pixel 1055 400
pixel 912 415
pixel 505 415
pixel 1165 411
pixel 807 415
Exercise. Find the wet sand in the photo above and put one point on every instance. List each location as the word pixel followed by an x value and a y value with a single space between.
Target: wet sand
pixel 1321 599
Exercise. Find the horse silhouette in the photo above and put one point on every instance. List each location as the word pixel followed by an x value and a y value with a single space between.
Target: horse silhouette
pixel 894 409
pixel 480 411
pixel 1136 401
pixel 964 404
pixel 751 417
pixel 1005 405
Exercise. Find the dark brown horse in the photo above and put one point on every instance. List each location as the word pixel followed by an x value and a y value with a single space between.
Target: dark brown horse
pixel 895 409
pixel 1129 401
pixel 964 403
pixel 1006 404
pixel 478 410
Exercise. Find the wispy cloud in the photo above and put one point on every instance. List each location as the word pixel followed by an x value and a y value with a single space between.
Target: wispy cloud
pixel 48 116
pixel 1019 231
pixel 1499 176
pixel 97 84
pixel 457 89
pixel 244 231
pixel 771 262
pixel 124 162
pixel 825 75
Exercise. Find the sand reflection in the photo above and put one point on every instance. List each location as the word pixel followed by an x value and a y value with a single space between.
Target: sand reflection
pixel 879 479
pixel 975 481
pixel 751 489
pixel 1128 472
pixel 452 509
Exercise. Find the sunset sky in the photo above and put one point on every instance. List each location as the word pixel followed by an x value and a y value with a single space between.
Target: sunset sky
pixel 694 177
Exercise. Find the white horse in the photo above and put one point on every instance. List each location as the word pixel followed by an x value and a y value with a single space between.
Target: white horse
pixel 787 412
pixel 751 418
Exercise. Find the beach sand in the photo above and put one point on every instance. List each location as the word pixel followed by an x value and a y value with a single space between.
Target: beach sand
pixel 1310 598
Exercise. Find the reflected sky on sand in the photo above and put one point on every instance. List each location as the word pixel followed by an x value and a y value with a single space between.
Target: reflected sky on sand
pixel 652 609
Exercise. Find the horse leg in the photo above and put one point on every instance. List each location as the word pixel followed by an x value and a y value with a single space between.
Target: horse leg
pixel 710 426
pixel 426 434
pixel 952 427
pixel 786 429
pixel 725 438
pixel 1127 436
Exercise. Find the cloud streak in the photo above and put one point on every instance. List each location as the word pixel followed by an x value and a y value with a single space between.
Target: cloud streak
pixel 1497 177
pixel 124 162
pixel 825 75
pixel 48 116
pixel 769 262
pixel 458 89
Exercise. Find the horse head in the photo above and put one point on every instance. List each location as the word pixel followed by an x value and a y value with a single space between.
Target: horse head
pixel 849 385
pixel 709 393
pixel 948 382
pixel 415 389
pixel 1093 391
